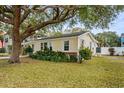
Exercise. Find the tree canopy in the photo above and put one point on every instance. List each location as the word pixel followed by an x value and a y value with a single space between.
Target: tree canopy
pixel 107 39
pixel 34 16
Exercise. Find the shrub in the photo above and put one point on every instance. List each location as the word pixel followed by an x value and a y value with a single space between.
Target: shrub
pixel 49 55
pixel 9 48
pixel 85 53
pixel 73 58
pixel 2 50
pixel 111 51
pixel 28 50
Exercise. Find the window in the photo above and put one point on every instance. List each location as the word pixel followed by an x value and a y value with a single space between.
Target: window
pixel 45 45
pixel 82 43
pixel 66 45
pixel 41 46
pixel 90 45
pixel 33 46
pixel 50 46
pixel 98 50
pixel 6 40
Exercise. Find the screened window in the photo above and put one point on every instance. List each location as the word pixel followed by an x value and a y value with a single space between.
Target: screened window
pixel 90 45
pixel 66 45
pixel 45 45
pixel 50 46
pixel 33 46
pixel 98 50
pixel 6 40
pixel 82 43
pixel 41 46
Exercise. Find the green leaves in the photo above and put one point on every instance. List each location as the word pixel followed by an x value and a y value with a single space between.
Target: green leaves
pixel 99 16
pixel 108 39
pixel 90 16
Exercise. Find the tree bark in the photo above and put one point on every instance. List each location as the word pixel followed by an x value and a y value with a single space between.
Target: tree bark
pixel 16 42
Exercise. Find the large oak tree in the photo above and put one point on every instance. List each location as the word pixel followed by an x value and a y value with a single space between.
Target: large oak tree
pixel 24 20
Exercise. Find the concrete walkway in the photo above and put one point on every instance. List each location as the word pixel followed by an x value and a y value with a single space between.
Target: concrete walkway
pixel 9 57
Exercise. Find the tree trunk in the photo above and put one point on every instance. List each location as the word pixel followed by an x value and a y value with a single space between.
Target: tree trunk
pixel 16 42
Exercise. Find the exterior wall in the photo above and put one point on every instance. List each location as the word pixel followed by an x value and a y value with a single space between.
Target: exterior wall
pixel 87 40
pixel 57 44
pixel 118 50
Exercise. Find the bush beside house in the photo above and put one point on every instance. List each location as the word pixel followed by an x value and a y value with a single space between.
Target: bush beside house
pixel 85 54
pixel 54 56
pixel 28 50
pixel 49 55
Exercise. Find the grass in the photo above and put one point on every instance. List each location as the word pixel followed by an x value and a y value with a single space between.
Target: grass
pixel 4 54
pixel 98 72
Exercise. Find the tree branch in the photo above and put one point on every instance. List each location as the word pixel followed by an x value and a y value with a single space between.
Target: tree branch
pixel 57 18
pixel 7 16
pixel 8 21
pixel 31 30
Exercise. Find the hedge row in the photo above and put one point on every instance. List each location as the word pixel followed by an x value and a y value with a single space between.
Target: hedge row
pixel 48 55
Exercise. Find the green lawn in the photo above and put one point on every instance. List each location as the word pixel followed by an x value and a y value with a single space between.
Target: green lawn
pixel 4 54
pixel 98 72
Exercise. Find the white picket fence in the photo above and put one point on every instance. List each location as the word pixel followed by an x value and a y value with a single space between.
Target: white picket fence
pixel 118 50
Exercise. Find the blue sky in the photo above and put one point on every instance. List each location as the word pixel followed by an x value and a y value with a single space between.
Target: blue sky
pixel 117 26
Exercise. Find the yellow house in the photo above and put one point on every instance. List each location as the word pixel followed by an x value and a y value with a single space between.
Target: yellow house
pixel 69 43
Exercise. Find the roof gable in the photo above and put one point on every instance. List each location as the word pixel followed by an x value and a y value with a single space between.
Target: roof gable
pixel 90 35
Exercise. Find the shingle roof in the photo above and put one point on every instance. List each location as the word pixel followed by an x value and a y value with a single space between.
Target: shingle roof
pixel 65 35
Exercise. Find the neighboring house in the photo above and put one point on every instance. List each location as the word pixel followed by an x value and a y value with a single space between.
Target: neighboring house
pixel 69 43
pixel 122 40
pixel 8 42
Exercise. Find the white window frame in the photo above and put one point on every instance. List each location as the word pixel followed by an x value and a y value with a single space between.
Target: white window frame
pixel 42 47
pixel 66 45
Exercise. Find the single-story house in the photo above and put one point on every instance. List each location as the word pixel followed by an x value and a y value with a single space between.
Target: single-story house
pixel 69 43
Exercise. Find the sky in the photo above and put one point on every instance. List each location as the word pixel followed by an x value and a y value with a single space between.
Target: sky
pixel 117 26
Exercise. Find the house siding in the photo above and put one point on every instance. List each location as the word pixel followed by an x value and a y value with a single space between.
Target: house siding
pixel 87 40
pixel 57 44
